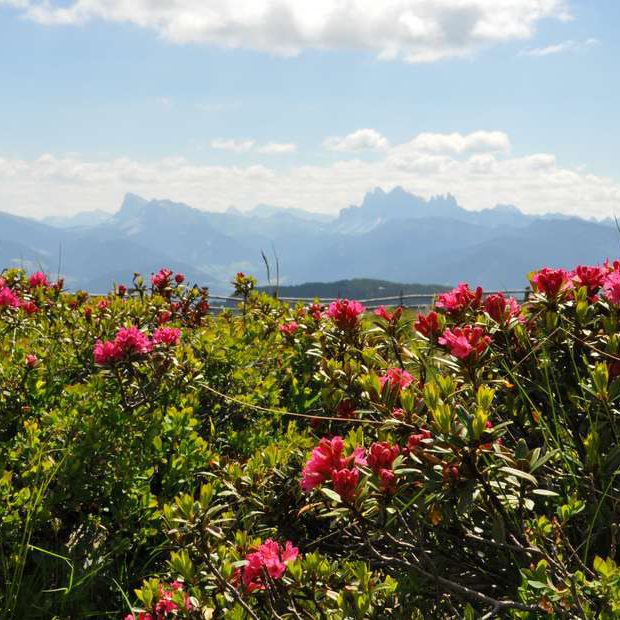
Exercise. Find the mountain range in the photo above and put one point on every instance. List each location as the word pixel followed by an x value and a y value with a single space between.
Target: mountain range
pixel 391 235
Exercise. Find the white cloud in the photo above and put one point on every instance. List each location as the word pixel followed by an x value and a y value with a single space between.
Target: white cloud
pixel 561 48
pixel 277 148
pixel 456 143
pixel 536 183
pixel 412 30
pixel 236 146
pixel 360 140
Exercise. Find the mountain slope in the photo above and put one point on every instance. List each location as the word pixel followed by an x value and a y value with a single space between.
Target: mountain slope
pixel 393 236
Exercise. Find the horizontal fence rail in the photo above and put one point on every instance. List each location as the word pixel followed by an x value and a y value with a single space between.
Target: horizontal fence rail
pixel 409 301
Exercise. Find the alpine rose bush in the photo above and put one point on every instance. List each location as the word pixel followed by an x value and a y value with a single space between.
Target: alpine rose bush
pixel 310 462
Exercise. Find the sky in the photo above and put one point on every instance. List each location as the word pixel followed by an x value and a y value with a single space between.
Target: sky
pixel 221 103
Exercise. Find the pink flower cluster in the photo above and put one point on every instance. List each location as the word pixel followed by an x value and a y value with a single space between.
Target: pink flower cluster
pixel 466 341
pixel 428 325
pixel 328 463
pixel 551 282
pixel 171 600
pixel 396 378
pixel 611 287
pixel 316 311
pixel 386 315
pixel 416 440
pixel 269 559
pixel 381 457
pixel 38 279
pixel 161 279
pixel 131 342
pixel 289 329
pixel 8 298
pixel 459 299
pixel 501 309
pixel 345 313
pixel 590 277
pixel 168 336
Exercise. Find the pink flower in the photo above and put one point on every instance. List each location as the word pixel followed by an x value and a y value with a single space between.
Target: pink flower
pixel 381 455
pixel 106 353
pixel 161 279
pixel 165 606
pixel 29 307
pixel 611 287
pixel 428 325
pixel 179 278
pixel 345 483
pixel 31 360
pixel 288 329
pixel 459 299
pixel 345 313
pixel 551 282
pixel 326 458
pixel 387 478
pixel 397 378
pixel 501 309
pixel 388 316
pixel 103 304
pixel 38 279
pixel 270 558
pixel 8 299
pixel 417 439
pixel 131 341
pixel 164 316
pixel 166 335
pixel 590 277
pixel 128 341
pixel 316 311
pixel 122 290
pixel 465 341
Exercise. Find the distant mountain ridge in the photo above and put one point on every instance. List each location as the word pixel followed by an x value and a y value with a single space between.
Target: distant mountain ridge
pixel 395 236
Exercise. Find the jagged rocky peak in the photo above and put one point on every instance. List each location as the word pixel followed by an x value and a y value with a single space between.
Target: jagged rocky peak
pixel 132 206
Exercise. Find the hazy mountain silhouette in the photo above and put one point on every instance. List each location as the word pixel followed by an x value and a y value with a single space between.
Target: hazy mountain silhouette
pixel 392 235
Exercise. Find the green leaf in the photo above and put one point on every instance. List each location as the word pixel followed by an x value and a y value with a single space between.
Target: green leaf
pixel 519 474
pixel 331 494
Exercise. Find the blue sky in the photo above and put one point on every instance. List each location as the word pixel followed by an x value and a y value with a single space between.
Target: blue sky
pixel 98 99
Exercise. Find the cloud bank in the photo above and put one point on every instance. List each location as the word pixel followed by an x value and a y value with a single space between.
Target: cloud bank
pixel 477 168
pixel 411 30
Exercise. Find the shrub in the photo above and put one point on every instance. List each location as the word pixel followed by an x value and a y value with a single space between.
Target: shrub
pixel 158 461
